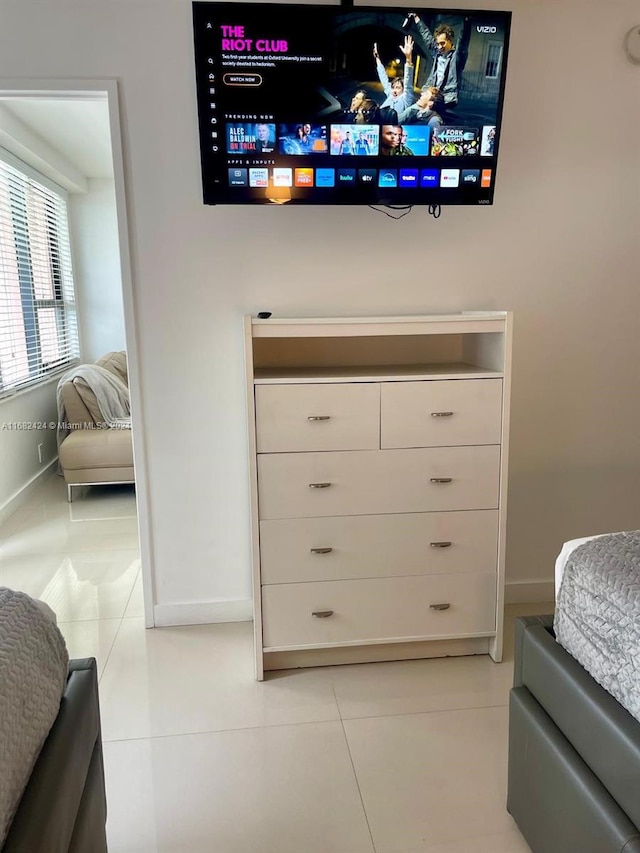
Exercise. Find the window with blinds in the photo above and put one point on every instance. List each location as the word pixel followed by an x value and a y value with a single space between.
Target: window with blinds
pixel 494 57
pixel 38 326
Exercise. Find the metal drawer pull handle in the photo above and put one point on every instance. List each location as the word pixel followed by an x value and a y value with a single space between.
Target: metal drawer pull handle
pixel 441 414
pixel 441 479
pixel 319 485
pixel 322 614
pixel 440 606
pixel 440 544
pixel 319 418
pixel 321 550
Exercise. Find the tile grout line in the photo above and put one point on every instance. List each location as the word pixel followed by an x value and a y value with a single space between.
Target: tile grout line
pixel 264 726
pixel 117 634
pixel 353 767
pixel 431 711
pixel 122 618
pixel 108 658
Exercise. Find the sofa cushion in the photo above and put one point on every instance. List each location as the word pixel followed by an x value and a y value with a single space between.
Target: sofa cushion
pixel 97 448
pixel 115 362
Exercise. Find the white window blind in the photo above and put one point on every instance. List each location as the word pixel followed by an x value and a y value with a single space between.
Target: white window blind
pixel 38 326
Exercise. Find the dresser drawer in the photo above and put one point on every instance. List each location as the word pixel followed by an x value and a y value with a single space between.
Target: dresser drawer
pixel 441 413
pixel 317 417
pixel 369 546
pixel 378 609
pixel 369 482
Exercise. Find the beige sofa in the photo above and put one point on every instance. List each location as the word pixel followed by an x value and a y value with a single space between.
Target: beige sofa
pixel 93 453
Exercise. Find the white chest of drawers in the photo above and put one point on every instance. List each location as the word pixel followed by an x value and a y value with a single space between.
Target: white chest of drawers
pixel 378 484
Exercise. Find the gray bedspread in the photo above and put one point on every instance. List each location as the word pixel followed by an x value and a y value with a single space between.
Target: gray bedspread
pixel 598 613
pixel 33 674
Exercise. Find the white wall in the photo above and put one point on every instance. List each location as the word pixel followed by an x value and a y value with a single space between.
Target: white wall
pixel 20 467
pixel 560 248
pixel 96 256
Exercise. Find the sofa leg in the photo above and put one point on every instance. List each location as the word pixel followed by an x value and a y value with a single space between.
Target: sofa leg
pixel 69 493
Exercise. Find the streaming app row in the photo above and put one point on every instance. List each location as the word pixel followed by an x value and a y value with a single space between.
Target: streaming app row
pixel 405 178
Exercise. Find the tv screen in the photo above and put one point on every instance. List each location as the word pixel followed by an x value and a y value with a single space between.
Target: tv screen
pixel 335 105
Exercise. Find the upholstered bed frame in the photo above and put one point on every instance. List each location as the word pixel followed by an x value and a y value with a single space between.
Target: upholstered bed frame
pixel 63 808
pixel 574 753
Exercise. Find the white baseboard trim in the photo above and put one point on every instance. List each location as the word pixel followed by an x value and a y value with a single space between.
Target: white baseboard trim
pixel 526 592
pixel 20 497
pixel 202 613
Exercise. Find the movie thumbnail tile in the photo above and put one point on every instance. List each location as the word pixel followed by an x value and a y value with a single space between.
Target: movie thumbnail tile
pixel 302 139
pixel 487 144
pixel 360 140
pixel 400 141
pixel 416 138
pixel 250 138
pixel 454 141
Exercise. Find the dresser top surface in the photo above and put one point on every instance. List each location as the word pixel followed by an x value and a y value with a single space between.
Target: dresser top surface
pixel 402 318
pixel 466 322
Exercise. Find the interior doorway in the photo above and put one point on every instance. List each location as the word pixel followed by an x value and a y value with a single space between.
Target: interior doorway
pixel 70 132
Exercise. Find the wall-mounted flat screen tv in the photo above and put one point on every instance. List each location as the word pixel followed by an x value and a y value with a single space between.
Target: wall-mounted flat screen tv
pixel 318 104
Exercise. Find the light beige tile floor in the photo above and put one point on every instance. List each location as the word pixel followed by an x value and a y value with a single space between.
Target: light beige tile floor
pixel 405 757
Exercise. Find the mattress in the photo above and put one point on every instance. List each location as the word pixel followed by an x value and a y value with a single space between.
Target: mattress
pixel 565 553
pixel 597 618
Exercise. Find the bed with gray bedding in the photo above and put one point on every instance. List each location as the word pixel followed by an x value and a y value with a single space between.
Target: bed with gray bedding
pixel 52 792
pixel 597 616
pixel 33 673
pixel 574 735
